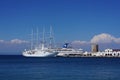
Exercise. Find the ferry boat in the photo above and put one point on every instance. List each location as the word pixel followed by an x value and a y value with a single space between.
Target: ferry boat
pixel 66 51
pixel 41 51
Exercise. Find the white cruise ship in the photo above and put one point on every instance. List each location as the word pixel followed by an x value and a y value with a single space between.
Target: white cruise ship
pixel 69 52
pixel 41 50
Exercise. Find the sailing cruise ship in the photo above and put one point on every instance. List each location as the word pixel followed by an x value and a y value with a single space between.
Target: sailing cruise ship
pixel 41 50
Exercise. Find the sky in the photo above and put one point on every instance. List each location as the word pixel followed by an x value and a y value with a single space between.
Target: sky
pixel 80 22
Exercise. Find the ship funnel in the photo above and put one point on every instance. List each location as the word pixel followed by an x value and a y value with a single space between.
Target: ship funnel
pixel 65 45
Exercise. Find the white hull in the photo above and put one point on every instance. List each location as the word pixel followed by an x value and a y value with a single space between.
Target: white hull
pixel 69 51
pixel 40 54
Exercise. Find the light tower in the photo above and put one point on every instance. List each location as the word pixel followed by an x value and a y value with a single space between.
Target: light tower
pixel 94 48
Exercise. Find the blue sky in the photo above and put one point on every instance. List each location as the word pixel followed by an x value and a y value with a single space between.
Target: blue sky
pixel 71 20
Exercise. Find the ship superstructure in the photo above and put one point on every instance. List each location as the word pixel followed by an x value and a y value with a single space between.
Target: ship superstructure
pixel 66 51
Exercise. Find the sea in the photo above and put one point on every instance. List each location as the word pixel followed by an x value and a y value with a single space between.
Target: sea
pixel 17 67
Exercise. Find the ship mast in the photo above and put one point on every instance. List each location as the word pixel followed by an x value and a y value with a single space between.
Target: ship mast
pixel 32 40
pixel 37 38
pixel 50 45
pixel 52 41
pixel 43 40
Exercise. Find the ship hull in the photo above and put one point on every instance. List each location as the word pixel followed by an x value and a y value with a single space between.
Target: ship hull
pixel 40 54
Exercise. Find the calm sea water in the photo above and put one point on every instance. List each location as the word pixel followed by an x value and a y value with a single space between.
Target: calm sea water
pixel 21 68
